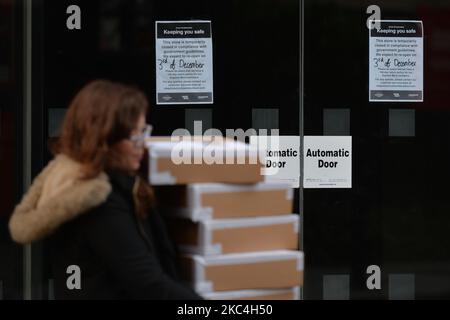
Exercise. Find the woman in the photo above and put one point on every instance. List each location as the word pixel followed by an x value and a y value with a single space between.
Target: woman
pixel 96 209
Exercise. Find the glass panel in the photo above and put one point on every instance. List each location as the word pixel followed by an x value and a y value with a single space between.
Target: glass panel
pixel 396 215
pixel 10 143
pixel 116 41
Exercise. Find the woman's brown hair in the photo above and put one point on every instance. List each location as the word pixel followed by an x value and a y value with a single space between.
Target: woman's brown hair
pixel 100 115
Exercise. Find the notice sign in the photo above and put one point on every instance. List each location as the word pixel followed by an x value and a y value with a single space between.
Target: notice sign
pixel 396 61
pixel 282 157
pixel 327 162
pixel 184 72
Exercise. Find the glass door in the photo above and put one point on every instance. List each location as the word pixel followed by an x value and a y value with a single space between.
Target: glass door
pixel 396 215
pixel 256 63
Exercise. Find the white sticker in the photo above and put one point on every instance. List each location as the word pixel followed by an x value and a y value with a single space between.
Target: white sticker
pixel 396 61
pixel 327 162
pixel 184 63
pixel 282 156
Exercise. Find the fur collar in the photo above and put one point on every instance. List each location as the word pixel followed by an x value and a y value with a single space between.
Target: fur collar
pixel 56 196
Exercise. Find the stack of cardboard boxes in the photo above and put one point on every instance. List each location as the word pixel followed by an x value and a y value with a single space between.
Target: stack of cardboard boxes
pixel 238 234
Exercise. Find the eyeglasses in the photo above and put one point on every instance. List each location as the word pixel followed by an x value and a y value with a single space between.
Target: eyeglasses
pixel 138 140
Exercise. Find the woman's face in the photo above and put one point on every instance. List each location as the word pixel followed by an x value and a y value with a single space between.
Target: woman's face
pixel 129 152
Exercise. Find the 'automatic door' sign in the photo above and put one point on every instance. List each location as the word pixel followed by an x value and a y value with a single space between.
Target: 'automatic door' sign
pixel 327 162
pixel 396 61
pixel 282 158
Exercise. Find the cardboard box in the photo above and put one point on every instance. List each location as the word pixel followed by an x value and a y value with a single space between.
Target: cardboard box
pixel 260 294
pixel 262 270
pixel 195 160
pixel 214 237
pixel 201 201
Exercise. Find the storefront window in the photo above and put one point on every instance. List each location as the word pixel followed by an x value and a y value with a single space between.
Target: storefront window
pixel 302 67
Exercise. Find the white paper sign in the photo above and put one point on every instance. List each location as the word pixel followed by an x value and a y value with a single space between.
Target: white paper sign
pixel 327 162
pixel 282 156
pixel 184 63
pixel 396 61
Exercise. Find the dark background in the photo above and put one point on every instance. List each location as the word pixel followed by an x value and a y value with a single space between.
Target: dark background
pixel 396 215
pixel 255 55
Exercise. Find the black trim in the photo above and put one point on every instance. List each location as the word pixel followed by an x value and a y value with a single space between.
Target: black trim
pixel 38 137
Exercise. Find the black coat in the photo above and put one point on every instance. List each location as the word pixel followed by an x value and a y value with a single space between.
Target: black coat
pixel 119 255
